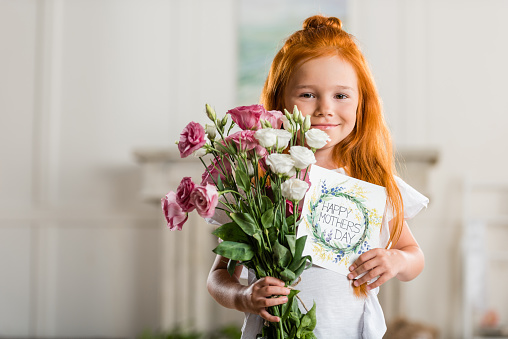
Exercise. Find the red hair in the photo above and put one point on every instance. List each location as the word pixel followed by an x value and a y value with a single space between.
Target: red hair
pixel 366 153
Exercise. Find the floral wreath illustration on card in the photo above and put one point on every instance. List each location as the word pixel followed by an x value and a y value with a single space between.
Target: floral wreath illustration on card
pixel 323 239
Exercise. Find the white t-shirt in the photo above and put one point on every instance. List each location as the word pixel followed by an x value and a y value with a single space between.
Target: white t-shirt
pixel 339 313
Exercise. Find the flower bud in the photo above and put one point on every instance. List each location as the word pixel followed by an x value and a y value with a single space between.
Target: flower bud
pixel 265 123
pixel 211 131
pixel 296 114
pixel 302 119
pixel 288 115
pixel 210 112
pixel 224 121
pixel 289 125
pixel 306 124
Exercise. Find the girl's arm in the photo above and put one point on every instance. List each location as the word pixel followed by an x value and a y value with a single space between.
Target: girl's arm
pixel 404 261
pixel 229 292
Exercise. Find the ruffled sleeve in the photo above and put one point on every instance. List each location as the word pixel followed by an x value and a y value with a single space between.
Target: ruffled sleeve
pixel 413 200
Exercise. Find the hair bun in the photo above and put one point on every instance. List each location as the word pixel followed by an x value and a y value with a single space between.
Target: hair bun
pixel 318 21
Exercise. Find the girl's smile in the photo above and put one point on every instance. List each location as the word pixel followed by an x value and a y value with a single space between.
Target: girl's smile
pixel 325 126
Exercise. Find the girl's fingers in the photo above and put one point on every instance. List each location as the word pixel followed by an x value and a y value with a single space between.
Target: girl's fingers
pixel 382 279
pixel 364 267
pixel 369 276
pixel 267 302
pixel 267 316
pixel 275 290
pixel 272 281
pixel 364 258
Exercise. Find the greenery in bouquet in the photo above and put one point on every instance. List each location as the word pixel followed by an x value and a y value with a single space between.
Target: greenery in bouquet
pixel 257 177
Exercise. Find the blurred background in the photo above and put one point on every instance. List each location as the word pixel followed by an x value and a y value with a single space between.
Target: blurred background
pixel 93 94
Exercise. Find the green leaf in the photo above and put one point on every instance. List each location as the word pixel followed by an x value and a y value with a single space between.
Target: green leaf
pixel 299 246
pixel 242 179
pixel 259 239
pixel 234 250
pixel 243 206
pixel 290 220
pixel 272 235
pixel 220 185
pixel 308 322
pixel 231 266
pixel 294 315
pixel 225 149
pixel 303 265
pixel 281 254
pixel 286 308
pixel 267 218
pixel 231 232
pixel 266 204
pixel 287 275
pixel 246 222
pixel 241 166
pixel 291 239
pixel 277 221
pixel 261 272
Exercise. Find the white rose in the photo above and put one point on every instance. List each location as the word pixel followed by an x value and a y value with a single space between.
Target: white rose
pixel 316 138
pixel 302 156
pixel 288 125
pixel 294 189
pixel 281 164
pixel 283 138
pixel 266 137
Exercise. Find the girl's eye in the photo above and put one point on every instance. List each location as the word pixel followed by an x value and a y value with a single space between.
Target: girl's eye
pixel 341 96
pixel 307 95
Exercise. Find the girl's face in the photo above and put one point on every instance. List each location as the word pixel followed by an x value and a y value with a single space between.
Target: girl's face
pixel 326 88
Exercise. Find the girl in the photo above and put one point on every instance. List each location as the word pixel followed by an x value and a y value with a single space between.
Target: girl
pixel 322 71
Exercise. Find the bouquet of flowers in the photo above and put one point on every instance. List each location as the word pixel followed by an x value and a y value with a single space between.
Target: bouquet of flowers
pixel 260 175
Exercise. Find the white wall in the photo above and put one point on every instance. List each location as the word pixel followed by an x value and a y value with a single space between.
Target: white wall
pixel 83 84
pixel 441 70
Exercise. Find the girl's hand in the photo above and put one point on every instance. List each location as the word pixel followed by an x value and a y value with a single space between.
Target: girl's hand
pixel 265 292
pixel 377 262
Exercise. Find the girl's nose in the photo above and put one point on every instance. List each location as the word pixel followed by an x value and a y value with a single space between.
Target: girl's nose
pixel 324 107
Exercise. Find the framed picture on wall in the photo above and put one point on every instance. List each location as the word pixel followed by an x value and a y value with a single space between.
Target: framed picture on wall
pixel 263 26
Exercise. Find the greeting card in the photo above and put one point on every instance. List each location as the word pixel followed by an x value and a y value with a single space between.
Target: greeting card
pixel 341 217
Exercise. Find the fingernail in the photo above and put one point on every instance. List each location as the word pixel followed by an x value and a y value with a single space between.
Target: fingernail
pixel 351 268
pixel 356 283
pixel 287 291
pixel 350 276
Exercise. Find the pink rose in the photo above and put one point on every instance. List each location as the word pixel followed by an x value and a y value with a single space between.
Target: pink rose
pixel 247 117
pixel 290 209
pixel 205 199
pixel 192 138
pixel 215 170
pixel 173 213
pixel 273 117
pixel 183 194
pixel 243 140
